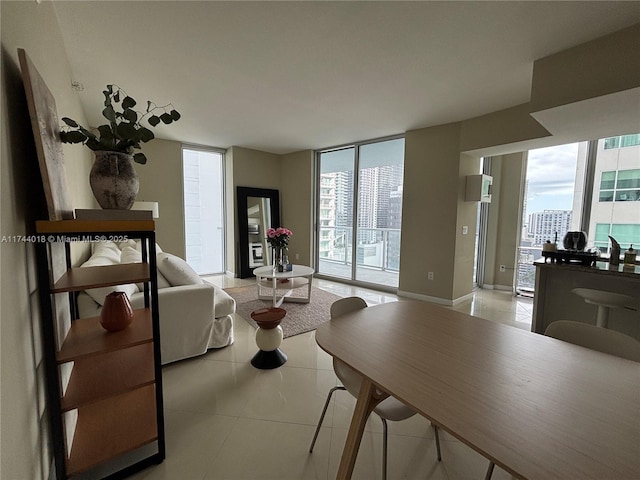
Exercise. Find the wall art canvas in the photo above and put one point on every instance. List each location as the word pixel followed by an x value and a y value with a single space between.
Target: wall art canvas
pixel 46 131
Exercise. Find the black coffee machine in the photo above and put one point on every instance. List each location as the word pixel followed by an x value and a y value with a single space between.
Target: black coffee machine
pixel 575 241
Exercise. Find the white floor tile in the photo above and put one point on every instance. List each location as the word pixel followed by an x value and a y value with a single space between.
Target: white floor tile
pixel 226 420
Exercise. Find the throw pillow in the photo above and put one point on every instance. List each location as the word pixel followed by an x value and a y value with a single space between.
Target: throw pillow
pixel 176 270
pixel 131 255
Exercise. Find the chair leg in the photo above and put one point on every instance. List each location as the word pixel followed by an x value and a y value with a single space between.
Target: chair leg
pixel 384 448
pixel 489 471
pixel 435 430
pixel 324 411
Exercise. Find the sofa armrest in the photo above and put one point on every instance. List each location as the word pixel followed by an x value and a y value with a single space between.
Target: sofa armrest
pixel 186 319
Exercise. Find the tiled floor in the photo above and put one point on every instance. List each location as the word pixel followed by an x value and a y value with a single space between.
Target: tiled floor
pixel 225 420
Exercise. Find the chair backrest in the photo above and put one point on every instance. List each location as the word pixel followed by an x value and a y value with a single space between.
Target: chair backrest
pixel 349 377
pixel 346 305
pixel 595 338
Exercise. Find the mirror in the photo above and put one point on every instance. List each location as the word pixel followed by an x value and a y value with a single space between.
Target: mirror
pixel 258 209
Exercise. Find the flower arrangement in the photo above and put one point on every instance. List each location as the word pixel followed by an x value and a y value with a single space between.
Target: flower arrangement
pixel 279 237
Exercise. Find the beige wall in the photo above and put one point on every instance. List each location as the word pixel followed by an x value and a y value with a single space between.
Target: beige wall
pixel 297 203
pixel 429 211
pixel 161 181
pixel 24 447
pixel 604 66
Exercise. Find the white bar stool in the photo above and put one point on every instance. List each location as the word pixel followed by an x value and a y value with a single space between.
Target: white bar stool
pixel 605 302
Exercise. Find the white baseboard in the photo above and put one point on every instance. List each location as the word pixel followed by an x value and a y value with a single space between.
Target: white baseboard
pixel 437 300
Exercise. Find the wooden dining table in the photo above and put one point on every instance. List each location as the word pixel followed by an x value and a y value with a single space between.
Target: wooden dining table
pixel 538 407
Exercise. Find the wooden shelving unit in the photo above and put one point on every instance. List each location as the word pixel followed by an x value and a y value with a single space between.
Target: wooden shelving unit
pixel 115 383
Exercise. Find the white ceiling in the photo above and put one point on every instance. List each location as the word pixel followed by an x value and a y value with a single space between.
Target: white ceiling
pixel 288 76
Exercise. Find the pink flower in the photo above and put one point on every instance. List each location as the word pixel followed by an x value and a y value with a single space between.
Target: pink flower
pixel 279 237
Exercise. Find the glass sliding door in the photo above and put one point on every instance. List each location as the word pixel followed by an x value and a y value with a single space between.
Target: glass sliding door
pixel 203 189
pixel 361 182
pixel 379 212
pixel 335 212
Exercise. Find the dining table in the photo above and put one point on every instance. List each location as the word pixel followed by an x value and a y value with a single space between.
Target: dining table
pixel 537 407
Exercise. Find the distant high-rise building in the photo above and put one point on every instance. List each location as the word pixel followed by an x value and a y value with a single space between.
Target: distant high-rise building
pixel 548 224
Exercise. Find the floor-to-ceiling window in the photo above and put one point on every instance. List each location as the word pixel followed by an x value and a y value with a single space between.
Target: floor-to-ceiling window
pixel 204 209
pixel 359 213
pixel 589 186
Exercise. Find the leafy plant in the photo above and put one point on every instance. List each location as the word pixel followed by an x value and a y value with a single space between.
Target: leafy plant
pixel 124 132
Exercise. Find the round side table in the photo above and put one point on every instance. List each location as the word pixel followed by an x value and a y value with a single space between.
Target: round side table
pixel 268 338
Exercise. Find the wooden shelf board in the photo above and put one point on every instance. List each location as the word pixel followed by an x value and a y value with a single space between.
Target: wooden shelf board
pixel 94 226
pixel 100 376
pixel 87 337
pixel 84 278
pixel 111 427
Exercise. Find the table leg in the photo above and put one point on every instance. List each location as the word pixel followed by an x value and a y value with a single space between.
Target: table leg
pixel 368 398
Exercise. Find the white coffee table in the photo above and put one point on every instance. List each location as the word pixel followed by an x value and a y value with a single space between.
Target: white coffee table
pixel 282 284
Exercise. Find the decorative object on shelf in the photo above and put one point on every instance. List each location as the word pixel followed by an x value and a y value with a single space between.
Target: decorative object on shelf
pixel 45 126
pixel 114 182
pixel 116 141
pixel 152 207
pixel 614 255
pixel 278 238
pixel 116 313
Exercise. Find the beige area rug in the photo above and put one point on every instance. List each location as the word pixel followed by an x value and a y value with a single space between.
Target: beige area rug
pixel 300 318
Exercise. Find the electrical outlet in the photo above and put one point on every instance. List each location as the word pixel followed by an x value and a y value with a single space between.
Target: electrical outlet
pixel 430 276
pixel 503 268
pixel 465 229
pixel 297 256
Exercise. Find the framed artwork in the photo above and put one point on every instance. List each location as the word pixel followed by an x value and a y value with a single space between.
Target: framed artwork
pixel 46 128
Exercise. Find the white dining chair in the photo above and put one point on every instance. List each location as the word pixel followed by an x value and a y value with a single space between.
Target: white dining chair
pixel 389 409
pixel 593 337
pixel 600 339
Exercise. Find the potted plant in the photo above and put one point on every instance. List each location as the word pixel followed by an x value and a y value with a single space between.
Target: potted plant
pixel 113 178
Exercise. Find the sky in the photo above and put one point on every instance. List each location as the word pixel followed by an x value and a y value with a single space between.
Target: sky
pixel 551 175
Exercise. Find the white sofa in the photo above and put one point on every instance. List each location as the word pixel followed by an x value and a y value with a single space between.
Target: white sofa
pixel 194 315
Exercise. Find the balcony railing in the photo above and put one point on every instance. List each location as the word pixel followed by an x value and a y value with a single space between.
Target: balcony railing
pixel 377 249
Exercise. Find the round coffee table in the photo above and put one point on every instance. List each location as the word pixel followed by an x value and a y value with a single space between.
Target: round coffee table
pixel 268 338
pixel 283 282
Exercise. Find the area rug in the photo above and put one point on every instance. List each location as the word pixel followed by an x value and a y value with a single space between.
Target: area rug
pixel 300 318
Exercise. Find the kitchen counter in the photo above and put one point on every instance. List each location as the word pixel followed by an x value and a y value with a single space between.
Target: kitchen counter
pixel 554 300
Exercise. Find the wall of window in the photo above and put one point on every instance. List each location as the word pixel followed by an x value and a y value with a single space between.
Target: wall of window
pixel 620 186
pixel 360 211
pixel 203 189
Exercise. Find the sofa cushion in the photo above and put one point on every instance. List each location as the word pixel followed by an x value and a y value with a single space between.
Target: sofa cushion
pixel 106 253
pixel 223 303
pixel 131 255
pixel 176 270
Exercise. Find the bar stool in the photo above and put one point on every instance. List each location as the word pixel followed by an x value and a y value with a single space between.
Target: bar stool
pixel 605 302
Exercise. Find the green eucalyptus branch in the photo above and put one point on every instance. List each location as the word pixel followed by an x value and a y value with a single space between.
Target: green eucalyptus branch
pixel 124 132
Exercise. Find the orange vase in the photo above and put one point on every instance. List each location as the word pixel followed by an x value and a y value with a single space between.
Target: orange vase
pixel 117 312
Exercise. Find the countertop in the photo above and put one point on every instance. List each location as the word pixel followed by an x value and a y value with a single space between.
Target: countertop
pixel 599 268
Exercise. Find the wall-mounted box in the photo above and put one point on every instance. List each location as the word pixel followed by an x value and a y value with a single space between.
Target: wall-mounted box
pixel 479 188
